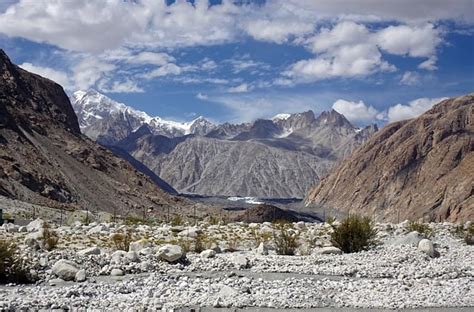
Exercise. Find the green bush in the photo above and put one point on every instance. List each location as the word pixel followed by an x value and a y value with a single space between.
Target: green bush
pixel 354 234
pixel 177 220
pixel 422 228
pixel 286 240
pixel 12 267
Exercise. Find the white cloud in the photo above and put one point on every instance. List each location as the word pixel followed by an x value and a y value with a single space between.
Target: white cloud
pixel 165 70
pixel 242 88
pixel 89 71
pixel 153 58
pixel 127 86
pixel 410 78
pixel 412 109
pixel 415 41
pixel 429 64
pixel 357 112
pixel 202 96
pixel 57 76
pixel 277 31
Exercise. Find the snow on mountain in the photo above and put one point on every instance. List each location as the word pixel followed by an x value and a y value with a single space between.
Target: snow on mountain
pixel 282 116
pixel 106 120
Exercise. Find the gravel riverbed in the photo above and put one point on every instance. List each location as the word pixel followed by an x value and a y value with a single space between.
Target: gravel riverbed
pixel 238 270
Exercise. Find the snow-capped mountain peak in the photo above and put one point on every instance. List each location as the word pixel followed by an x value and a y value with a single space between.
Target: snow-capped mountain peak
pixel 106 120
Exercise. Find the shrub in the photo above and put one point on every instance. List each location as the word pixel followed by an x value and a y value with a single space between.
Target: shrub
pixel 286 240
pixel 50 239
pixel 12 267
pixel 469 235
pixel 177 220
pixel 422 228
pixel 330 220
pixel 202 242
pixel 121 241
pixel 354 234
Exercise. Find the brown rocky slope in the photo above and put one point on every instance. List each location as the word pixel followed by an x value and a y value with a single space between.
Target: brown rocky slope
pixel 419 168
pixel 45 160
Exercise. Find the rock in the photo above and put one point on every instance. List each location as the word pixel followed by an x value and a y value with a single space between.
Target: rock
pixel 132 256
pixel 35 226
pixel 65 269
pixel 411 239
pixel 80 276
pixel 262 249
pixel 118 257
pixel 330 250
pixel 426 246
pixel 22 229
pixel 116 272
pixel 34 240
pixel 240 261
pixel 10 227
pixel 170 253
pixel 55 281
pixel 98 229
pixel 89 251
pixel 209 253
pixel 191 232
pixel 139 245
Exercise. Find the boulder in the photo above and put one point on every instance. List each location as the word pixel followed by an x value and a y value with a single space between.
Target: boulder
pixel 330 250
pixel 35 226
pixel 35 240
pixel 80 276
pixel 426 246
pixel 118 257
pixel 98 229
pixel 170 253
pixel 209 253
pixel 240 261
pixel 191 232
pixel 132 256
pixel 89 251
pixel 262 249
pixel 116 272
pixel 65 270
pixel 139 245
pixel 410 239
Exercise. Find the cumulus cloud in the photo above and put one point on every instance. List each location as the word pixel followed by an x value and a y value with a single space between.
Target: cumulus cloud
pixel 429 64
pixel 357 112
pixel 412 109
pixel 410 78
pixel 57 76
pixel 165 70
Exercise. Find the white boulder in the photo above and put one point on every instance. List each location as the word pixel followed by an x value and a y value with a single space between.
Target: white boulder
pixel 80 276
pixel 35 225
pixel 426 246
pixel 65 270
pixel 410 239
pixel 116 272
pixel 330 250
pixel 170 253
pixel 209 253
pixel 262 249
pixel 89 251
pixel 139 245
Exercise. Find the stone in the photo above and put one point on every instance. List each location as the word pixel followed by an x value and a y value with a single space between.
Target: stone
pixel 139 245
pixel 35 226
pixel 426 246
pixel 170 253
pixel 34 240
pixel 410 239
pixel 209 253
pixel 329 250
pixel 98 229
pixel 262 249
pixel 132 256
pixel 80 276
pixel 89 251
pixel 191 232
pixel 55 281
pixel 116 272
pixel 65 269
pixel 118 257
pixel 240 261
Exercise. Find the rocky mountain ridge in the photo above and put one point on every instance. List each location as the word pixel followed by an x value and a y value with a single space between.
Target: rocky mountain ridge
pixel 45 160
pixel 419 168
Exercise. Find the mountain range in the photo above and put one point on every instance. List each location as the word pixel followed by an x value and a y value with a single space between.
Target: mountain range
pixel 411 169
pixel 277 158
pixel 45 160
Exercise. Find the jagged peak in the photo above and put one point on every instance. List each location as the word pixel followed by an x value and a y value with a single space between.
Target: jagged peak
pixel 333 117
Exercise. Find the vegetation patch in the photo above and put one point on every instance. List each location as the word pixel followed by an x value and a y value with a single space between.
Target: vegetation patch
pixel 354 234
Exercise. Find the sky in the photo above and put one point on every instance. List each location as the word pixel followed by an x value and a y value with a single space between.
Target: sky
pixel 371 60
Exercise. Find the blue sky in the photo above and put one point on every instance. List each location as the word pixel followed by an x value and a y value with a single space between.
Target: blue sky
pixel 237 61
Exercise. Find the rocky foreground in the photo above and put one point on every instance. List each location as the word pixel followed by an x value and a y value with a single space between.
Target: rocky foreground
pixel 236 265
